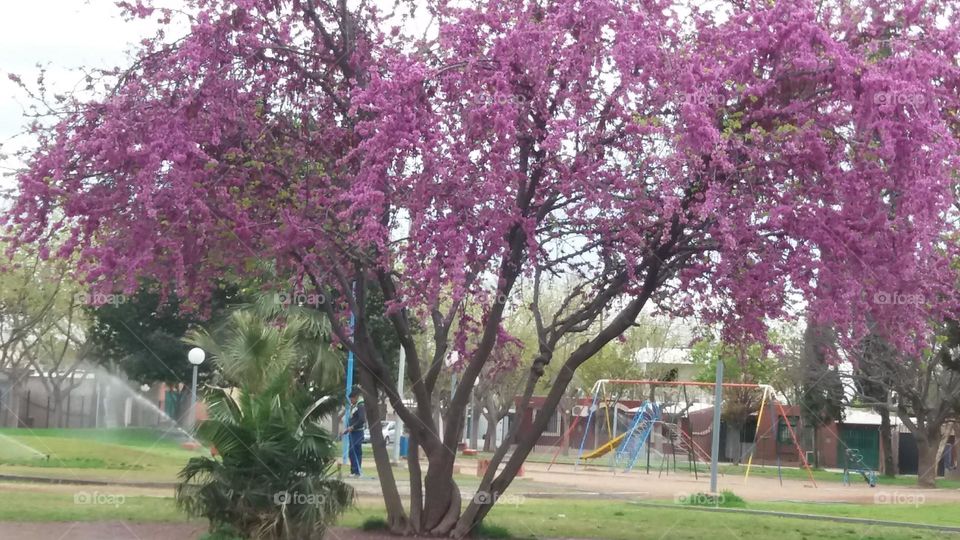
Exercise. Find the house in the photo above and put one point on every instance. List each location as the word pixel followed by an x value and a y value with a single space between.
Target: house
pixel 665 363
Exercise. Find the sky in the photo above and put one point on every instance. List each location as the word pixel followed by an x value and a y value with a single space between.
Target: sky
pixel 62 35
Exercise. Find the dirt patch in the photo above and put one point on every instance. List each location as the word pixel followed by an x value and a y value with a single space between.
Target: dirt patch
pixel 638 485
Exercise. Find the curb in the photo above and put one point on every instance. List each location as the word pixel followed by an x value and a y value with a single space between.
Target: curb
pixel 81 482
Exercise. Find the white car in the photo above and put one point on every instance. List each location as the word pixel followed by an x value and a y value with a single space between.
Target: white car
pixel 388 429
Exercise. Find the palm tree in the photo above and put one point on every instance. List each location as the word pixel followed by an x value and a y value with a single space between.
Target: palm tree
pixel 274 476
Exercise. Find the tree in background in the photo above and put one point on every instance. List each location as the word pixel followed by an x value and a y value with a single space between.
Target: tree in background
pixel 627 147
pixel 821 402
pixel 29 288
pixel 142 336
pixel 873 387
pixel 925 388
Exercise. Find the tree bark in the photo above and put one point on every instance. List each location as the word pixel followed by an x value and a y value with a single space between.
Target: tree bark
pixel 927 452
pixel 13 399
pixel 441 505
pixel 490 442
pixel 886 443
pixel 416 484
pixel 56 409
pixel 396 516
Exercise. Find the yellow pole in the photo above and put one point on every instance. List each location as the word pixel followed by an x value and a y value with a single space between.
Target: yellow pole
pixel 756 433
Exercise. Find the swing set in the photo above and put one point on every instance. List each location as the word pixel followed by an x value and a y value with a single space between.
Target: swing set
pixel 665 418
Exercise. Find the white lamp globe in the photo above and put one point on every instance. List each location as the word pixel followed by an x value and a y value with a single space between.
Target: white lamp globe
pixel 196 356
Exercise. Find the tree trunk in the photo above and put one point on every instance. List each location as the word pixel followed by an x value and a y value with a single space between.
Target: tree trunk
pixel 490 442
pixel 927 451
pixel 886 443
pixel 441 504
pixel 56 409
pixel 12 404
pixel 396 517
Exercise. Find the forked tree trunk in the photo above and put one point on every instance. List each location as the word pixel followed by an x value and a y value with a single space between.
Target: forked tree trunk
pixel 442 501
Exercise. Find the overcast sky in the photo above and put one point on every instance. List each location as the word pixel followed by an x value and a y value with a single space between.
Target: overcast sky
pixel 63 35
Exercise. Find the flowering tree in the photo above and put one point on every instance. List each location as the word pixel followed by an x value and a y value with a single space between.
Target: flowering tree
pixel 717 163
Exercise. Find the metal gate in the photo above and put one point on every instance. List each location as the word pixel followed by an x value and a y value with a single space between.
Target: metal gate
pixel 866 439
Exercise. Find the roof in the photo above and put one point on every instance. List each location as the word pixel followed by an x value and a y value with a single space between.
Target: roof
pixel 658 355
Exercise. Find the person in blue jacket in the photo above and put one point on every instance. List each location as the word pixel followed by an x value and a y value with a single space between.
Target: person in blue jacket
pixel 355 430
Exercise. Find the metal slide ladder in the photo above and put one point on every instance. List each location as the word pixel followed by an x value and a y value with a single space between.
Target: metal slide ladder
pixel 637 436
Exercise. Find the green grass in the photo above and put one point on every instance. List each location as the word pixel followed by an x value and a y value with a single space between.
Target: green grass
pixel 614 520
pixel 930 513
pixel 529 518
pixel 94 454
pixel 86 503
pixel 142 455
pixel 124 436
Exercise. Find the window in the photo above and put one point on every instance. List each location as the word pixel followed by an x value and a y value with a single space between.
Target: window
pixel 783 432
pixel 553 425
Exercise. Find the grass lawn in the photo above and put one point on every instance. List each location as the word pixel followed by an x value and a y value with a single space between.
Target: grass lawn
pixel 528 519
pixel 93 454
pixel 933 514
pixel 623 521
pixel 525 518
pixel 87 503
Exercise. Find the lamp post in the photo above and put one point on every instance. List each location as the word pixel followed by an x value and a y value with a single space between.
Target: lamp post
pixel 196 357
